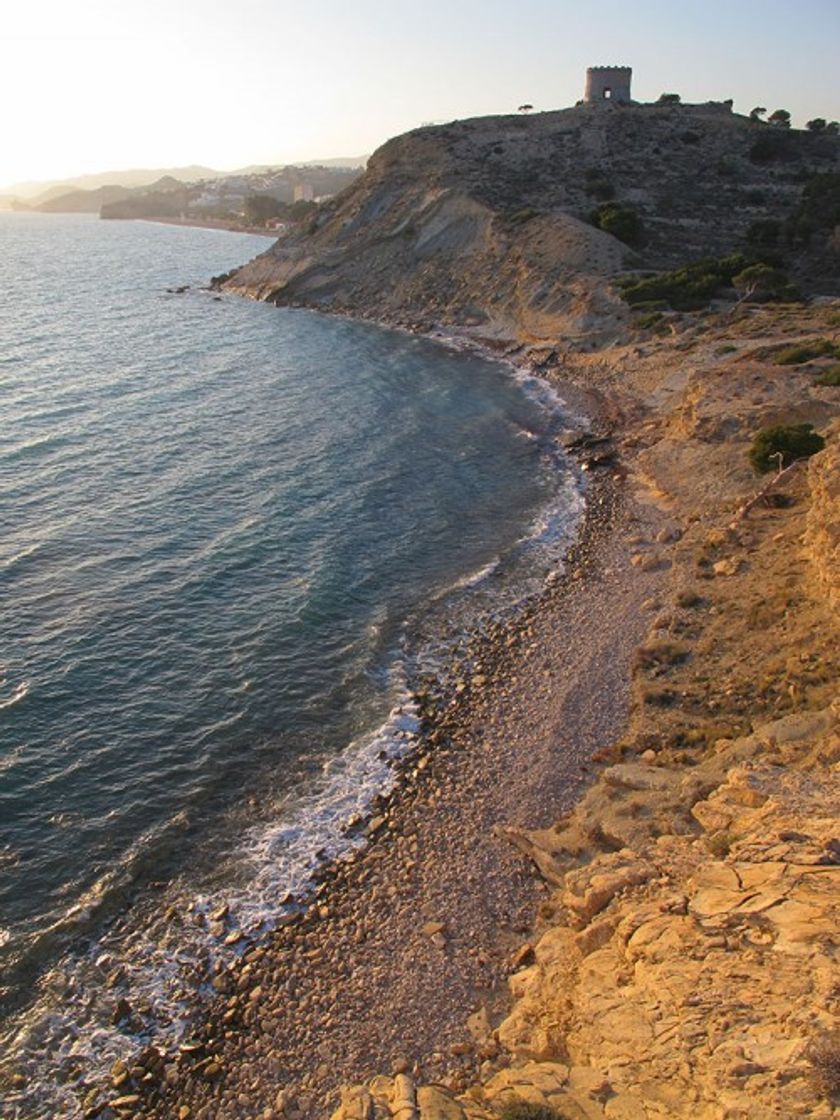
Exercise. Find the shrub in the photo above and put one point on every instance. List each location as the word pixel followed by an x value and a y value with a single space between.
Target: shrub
pixel 521 1110
pixel 819 207
pixel 782 445
pixel 621 221
pixel 824 1056
pixel 659 654
pixel 816 125
pixel 689 599
pixel 668 99
pixel 720 844
pixel 766 231
pixel 830 377
pixel 806 351
pixel 772 148
pixel 598 185
pixel 687 288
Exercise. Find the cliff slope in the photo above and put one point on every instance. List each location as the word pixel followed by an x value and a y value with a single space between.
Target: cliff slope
pixel 484 224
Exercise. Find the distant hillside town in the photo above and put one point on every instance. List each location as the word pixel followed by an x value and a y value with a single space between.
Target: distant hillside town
pixel 266 198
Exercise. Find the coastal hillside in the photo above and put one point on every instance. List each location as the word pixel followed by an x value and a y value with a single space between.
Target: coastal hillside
pixel 492 224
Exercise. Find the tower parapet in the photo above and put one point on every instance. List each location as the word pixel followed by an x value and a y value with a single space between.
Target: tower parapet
pixel 607 83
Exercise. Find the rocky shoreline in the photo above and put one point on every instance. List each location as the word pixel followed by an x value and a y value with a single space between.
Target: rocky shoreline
pixel 395 899
pixel 311 951
pixel 415 966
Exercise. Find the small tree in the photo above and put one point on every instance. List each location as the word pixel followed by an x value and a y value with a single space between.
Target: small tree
pixel 525 108
pixel 832 128
pixel 760 282
pixel 757 113
pixel 816 125
pixel 668 99
pixel 779 446
pixel 780 118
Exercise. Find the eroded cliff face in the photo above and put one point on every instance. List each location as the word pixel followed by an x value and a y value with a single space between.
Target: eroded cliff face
pixel 484 224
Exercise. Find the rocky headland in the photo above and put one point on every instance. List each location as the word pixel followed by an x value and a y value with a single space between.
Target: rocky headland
pixel 606 887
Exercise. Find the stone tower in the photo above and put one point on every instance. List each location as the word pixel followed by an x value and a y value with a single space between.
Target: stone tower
pixel 607 83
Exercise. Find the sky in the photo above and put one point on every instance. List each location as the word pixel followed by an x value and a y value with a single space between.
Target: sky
pixel 94 85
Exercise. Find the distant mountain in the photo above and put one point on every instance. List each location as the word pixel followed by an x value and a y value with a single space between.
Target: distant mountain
pixel 31 195
pixel 82 202
pixel 41 191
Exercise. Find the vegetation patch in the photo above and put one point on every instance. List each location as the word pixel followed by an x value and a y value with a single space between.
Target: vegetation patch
pixel 819 207
pixel 806 352
pixel 660 655
pixel 720 843
pixel 688 288
pixel 830 377
pixel 648 321
pixel 824 1056
pixel 622 222
pixel 522 1110
pixel 761 283
pixel 777 447
pixel 764 232
pixel 597 185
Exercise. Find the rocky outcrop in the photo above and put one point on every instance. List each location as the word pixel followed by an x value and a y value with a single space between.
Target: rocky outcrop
pixel 687 978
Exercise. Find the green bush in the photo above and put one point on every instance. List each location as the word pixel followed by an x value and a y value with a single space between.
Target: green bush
pixel 621 221
pixel 760 282
pixel 766 231
pixel 521 1110
pixel 771 148
pixel 598 185
pixel 819 207
pixel 830 377
pixel 790 441
pixel 648 321
pixel 688 288
pixel 806 351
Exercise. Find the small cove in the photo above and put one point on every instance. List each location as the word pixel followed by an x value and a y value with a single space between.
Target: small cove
pixel 224 527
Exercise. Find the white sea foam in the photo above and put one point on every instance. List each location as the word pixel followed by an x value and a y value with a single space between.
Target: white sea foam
pixel 20 691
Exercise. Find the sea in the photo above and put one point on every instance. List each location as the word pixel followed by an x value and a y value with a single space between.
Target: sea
pixel 231 537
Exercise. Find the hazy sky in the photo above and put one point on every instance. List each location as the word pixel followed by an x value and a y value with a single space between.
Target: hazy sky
pixel 93 85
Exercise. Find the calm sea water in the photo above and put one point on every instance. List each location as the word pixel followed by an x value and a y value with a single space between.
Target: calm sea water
pixel 219 524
